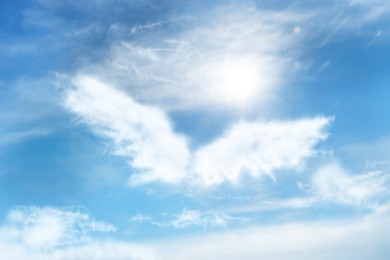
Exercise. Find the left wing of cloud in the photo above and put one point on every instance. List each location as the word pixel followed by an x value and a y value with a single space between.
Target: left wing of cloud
pixel 142 133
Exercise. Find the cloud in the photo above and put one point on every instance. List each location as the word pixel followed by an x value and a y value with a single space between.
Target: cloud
pixel 258 149
pixel 255 50
pixel 26 107
pixel 141 133
pixel 330 184
pixel 183 68
pixel 260 205
pixel 62 233
pixel 192 219
pixel 145 135
pixel 361 238
pixel 222 57
pixel 48 228
pixel 351 238
pixel 335 184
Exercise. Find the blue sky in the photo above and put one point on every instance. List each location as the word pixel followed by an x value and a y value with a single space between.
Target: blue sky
pixel 143 129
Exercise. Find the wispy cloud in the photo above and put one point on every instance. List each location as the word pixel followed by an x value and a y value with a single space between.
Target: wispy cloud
pixel 333 183
pixel 192 219
pixel 373 10
pixel 62 233
pixel 258 149
pixel 26 107
pixel 214 59
pixel 49 228
pixel 358 238
pixel 342 239
pixel 144 134
pixel 183 68
pixel 14 137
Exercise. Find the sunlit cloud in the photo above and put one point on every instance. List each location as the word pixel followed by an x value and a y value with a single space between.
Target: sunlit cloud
pixel 233 56
pixel 144 134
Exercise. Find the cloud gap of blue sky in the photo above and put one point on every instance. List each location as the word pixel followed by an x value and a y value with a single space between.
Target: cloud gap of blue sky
pixel 143 129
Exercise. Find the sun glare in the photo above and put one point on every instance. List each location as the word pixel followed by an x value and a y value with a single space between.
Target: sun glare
pixel 235 80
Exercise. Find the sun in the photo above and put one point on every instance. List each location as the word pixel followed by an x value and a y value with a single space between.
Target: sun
pixel 235 80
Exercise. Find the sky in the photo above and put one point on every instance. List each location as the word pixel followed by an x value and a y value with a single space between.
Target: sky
pixel 145 129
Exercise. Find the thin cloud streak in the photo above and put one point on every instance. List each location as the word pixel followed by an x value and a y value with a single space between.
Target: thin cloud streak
pixel 192 219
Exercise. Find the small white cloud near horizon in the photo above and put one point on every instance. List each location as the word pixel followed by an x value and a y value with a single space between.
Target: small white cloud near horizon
pixel 48 228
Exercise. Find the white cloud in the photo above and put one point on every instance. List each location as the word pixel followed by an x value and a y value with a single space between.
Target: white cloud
pixel 100 250
pixel 362 238
pixel 333 183
pixel 255 50
pixel 49 228
pixel 191 219
pixel 352 238
pixel 258 149
pixel 231 56
pixel 157 153
pixel 62 233
pixel 330 184
pixel 142 133
pixel 259 205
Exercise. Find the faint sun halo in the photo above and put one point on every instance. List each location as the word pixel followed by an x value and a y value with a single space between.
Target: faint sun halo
pixel 297 30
